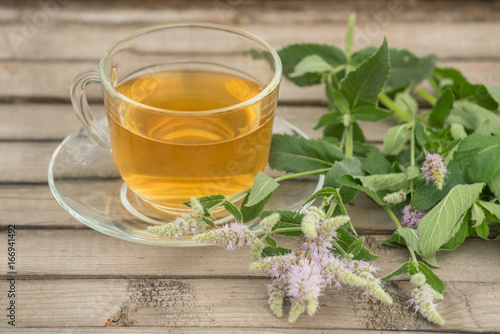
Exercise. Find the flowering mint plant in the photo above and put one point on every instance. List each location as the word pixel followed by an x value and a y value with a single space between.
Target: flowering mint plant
pixel 438 169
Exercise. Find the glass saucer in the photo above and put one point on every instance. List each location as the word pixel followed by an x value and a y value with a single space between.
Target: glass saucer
pixel 84 180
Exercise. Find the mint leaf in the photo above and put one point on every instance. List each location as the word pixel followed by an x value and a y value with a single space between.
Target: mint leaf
pixel 395 240
pixel 411 237
pixel 494 93
pixel 395 139
pixel 435 229
pixel 232 209
pixel 350 166
pixel 477 215
pixel 472 116
pixel 432 279
pixel 287 219
pixel 363 85
pixel 390 182
pixel 464 231
pixel 293 54
pixel 311 64
pixel 376 163
pixel 346 239
pixel 271 242
pixel 408 69
pixel 356 183
pixel 297 154
pixel 493 210
pixel 263 185
pixel 477 94
pixel 369 114
pixel 251 212
pixel 483 230
pixel 324 192
pixel 403 269
pixel 356 247
pixel 494 184
pixel 441 109
pixel 275 251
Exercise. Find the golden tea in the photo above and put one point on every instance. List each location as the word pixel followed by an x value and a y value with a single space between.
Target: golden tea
pixel 177 149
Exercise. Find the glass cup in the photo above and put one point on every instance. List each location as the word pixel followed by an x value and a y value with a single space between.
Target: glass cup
pixel 190 109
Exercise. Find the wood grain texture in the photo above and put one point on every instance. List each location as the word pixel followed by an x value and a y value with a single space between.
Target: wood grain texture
pixel 82 253
pixel 237 303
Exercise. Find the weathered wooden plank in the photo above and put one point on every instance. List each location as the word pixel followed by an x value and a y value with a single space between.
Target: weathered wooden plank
pixel 54 121
pixel 83 253
pixel 236 303
pixel 53 79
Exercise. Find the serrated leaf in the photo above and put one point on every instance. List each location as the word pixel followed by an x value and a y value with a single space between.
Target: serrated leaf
pixel 275 251
pixel 311 64
pixel 369 113
pixel 411 237
pixel 263 185
pixel 403 269
pixel 464 231
pixel 477 215
pixel 331 117
pixel 483 230
pixel 390 182
pixel 477 94
pixel 287 219
pixel 297 154
pixel 341 102
pixel 494 184
pixel 323 192
pixel 435 229
pixel 492 208
pixel 408 69
pixel 355 182
pixel 209 201
pixel 441 109
pixel 406 102
pixel 251 212
pixel 350 166
pixel 494 93
pixel 376 163
pixel 432 279
pixel 356 247
pixel 363 85
pixel 346 239
pixel 395 139
pixel 293 54
pixel 271 242
pixel 472 116
pixel 209 222
pixel 232 209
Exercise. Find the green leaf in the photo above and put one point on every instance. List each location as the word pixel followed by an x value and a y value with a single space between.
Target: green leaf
pixel 408 69
pixel 297 154
pixel 363 85
pixel 411 237
pixel 346 239
pixel 209 222
pixel 350 166
pixel 376 163
pixel 209 201
pixel 271 242
pixel 435 229
pixel 494 184
pixel 476 160
pixel 355 248
pixel 369 113
pixel 275 251
pixel 472 116
pixel 494 93
pixel 396 240
pixel 263 185
pixel 287 219
pixel 477 94
pixel 451 73
pixel 395 139
pixel 390 182
pixel 341 102
pixel 464 231
pixel 432 279
pixel 483 230
pixel 493 210
pixel 403 269
pixel 293 54
pixel 441 109
pixel 251 212
pixel 355 182
pixel 406 102
pixel 477 215
pixel 232 209
pixel 331 117
pixel 324 192
pixel 311 64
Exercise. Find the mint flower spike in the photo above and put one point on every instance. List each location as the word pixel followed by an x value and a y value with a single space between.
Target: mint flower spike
pixel 330 225
pixel 412 217
pixel 434 169
pixel 305 284
pixel 423 297
pixel 295 311
pixel 196 207
pixel 180 226
pixel 395 198
pixel 232 236
pixel 372 285
pixel 311 221
pixel 257 248
pixel 276 298
pixel 269 222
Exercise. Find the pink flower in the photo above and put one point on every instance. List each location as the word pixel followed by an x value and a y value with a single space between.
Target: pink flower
pixel 434 169
pixel 411 217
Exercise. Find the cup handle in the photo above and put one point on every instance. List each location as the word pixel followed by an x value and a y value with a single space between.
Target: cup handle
pixel 82 109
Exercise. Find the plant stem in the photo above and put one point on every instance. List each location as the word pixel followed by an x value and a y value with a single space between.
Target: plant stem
pixel 412 153
pixel 309 172
pixel 389 103
pixel 398 225
pixel 426 96
pixel 349 147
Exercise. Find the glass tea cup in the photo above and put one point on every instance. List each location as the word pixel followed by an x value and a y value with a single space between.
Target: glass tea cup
pixel 190 109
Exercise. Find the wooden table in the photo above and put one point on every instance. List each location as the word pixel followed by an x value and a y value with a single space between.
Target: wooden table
pixel 70 278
